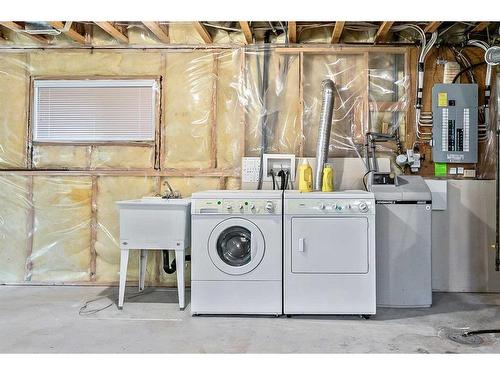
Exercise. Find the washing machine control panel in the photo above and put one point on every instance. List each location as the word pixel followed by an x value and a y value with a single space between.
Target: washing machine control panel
pixel 237 206
pixel 329 207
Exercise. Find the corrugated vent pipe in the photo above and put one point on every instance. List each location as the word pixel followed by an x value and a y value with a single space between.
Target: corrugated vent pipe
pixel 325 127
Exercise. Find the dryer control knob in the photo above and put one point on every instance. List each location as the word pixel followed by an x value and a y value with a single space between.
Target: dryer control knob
pixel 229 207
pixel 241 206
pixel 269 206
pixel 363 207
pixel 321 206
pixel 252 207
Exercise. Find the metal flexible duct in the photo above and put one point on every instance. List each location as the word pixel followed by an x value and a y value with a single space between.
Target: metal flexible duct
pixel 325 127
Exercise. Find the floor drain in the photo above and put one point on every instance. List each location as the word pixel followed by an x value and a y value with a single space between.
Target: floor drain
pixel 466 340
pixel 460 336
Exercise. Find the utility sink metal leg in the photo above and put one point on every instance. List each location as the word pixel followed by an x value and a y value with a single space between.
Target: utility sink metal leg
pixel 123 276
pixel 179 260
pixel 143 260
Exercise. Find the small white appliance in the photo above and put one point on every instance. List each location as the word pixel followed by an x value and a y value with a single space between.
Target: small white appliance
pixel 236 252
pixel 329 253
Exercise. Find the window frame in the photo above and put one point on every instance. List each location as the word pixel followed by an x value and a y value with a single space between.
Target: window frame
pixel 157 111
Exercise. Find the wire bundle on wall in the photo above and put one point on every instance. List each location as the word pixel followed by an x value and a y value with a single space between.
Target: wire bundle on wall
pixel 422 119
pixel 484 114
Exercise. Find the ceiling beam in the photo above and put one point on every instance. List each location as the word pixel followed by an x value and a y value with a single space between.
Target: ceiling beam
pixel 18 28
pixel 292 32
pixel 70 33
pixel 480 27
pixel 382 32
pixel 113 31
pixel 432 26
pixel 337 31
pixel 247 31
pixel 160 31
pixel 203 32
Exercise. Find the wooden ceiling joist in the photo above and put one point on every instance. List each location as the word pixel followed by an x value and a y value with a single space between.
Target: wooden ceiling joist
pixel 203 32
pixel 18 28
pixel 160 31
pixel 247 31
pixel 70 33
pixel 382 32
pixel 292 32
pixel 480 27
pixel 113 31
pixel 432 26
pixel 337 31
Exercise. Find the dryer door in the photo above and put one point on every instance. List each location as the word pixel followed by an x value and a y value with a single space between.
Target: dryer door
pixel 236 246
pixel 330 245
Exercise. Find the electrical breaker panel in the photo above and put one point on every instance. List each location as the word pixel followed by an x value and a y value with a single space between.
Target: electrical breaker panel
pixel 454 129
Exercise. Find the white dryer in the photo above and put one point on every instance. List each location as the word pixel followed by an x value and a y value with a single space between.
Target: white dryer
pixel 236 253
pixel 329 253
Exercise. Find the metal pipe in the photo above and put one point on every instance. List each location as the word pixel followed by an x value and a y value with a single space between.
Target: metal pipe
pixel 264 84
pixel 497 239
pixel 325 127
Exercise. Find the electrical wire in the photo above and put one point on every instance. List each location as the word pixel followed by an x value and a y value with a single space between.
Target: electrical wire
pixel 85 311
pixel 273 178
pixel 467 69
pixel 364 179
pixel 480 332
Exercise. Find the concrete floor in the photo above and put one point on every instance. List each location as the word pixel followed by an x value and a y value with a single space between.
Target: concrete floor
pixel 46 320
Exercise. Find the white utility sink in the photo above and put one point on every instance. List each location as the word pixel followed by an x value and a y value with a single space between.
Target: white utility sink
pixel 154 223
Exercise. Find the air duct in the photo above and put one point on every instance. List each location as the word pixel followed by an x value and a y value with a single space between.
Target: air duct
pixel 325 127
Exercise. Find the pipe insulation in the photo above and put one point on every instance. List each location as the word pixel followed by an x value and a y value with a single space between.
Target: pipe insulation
pixel 325 128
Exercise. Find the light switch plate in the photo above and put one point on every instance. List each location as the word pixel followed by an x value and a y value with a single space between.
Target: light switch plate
pixel 250 167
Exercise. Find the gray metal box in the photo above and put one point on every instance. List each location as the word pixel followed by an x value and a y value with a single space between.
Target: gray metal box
pixel 454 130
pixel 403 243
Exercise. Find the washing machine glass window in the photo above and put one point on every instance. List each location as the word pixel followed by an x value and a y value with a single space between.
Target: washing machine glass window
pixel 236 246
pixel 233 246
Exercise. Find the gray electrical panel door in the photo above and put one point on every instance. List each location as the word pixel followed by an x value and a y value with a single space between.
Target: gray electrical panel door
pixel 454 129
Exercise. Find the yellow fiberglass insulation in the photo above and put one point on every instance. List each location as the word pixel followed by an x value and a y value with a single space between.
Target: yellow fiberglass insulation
pixel 123 157
pixel 189 89
pixel 14 237
pixel 188 185
pixel 14 83
pixel 111 190
pixel 61 156
pixel 183 33
pixel 61 241
pixel 230 115
pixel 98 63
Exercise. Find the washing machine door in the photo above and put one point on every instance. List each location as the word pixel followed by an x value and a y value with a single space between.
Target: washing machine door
pixel 236 246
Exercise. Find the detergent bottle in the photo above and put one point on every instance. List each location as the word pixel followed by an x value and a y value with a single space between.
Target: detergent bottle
pixel 327 184
pixel 305 177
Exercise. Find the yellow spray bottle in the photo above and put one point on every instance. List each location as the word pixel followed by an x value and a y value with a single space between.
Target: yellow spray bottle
pixel 305 177
pixel 327 184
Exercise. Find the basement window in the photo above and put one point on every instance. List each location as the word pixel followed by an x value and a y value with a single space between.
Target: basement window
pixel 105 110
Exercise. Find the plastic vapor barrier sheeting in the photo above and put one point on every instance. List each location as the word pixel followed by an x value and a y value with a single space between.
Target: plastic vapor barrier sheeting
pixel 58 217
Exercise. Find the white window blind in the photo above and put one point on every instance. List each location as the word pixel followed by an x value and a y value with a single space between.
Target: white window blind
pixel 94 110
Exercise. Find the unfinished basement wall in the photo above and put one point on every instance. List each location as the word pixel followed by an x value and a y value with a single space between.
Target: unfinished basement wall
pixel 58 216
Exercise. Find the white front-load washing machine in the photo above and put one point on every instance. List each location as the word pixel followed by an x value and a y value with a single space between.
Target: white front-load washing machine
pixel 329 253
pixel 236 252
